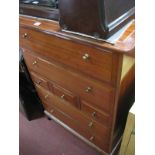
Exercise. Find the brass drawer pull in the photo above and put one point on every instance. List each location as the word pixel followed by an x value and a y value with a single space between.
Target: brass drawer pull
pixel 92 138
pixel 88 89
pixel 90 125
pixel 94 114
pixel 62 97
pixel 34 63
pixel 39 82
pixel 52 111
pixel 46 96
pixel 86 57
pixel 25 35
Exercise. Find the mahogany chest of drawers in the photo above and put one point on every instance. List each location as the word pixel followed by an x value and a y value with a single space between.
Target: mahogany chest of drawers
pixel 84 84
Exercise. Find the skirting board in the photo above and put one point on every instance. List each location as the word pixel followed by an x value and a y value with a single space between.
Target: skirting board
pixel 81 137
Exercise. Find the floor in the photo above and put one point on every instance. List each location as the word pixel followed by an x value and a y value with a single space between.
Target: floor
pixel 44 137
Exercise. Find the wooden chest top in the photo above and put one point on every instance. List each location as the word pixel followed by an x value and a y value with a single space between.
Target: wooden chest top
pixel 125 44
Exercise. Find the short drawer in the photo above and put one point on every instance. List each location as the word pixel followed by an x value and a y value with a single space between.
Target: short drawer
pixel 71 123
pixel 95 114
pixel 91 126
pixel 87 59
pixel 64 94
pixel 37 79
pixel 97 94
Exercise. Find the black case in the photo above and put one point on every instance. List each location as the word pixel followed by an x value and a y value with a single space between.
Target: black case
pixel 29 102
pixel 97 18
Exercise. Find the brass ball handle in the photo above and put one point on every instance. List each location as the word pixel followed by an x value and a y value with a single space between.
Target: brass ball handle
pixel 25 35
pixel 94 114
pixel 38 82
pixel 88 89
pixel 92 138
pixel 62 97
pixel 90 125
pixel 34 63
pixel 52 111
pixel 46 96
pixel 86 57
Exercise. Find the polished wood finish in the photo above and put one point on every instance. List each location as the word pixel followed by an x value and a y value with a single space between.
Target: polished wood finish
pixel 65 95
pixel 39 80
pixel 124 45
pixel 85 83
pixel 100 132
pixel 95 113
pixel 97 64
pixel 100 96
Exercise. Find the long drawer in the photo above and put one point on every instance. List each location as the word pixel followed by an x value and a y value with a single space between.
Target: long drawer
pixel 89 90
pixel 87 59
pixel 93 131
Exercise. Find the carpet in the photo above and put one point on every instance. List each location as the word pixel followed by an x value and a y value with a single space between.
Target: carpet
pixel 44 137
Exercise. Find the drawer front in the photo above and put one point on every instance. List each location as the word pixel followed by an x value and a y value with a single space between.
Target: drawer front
pixel 91 126
pixel 64 94
pixel 95 114
pixel 76 127
pixel 87 89
pixel 86 59
pixel 37 79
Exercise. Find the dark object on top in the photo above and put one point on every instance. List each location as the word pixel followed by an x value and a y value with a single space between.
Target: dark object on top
pixel 97 18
